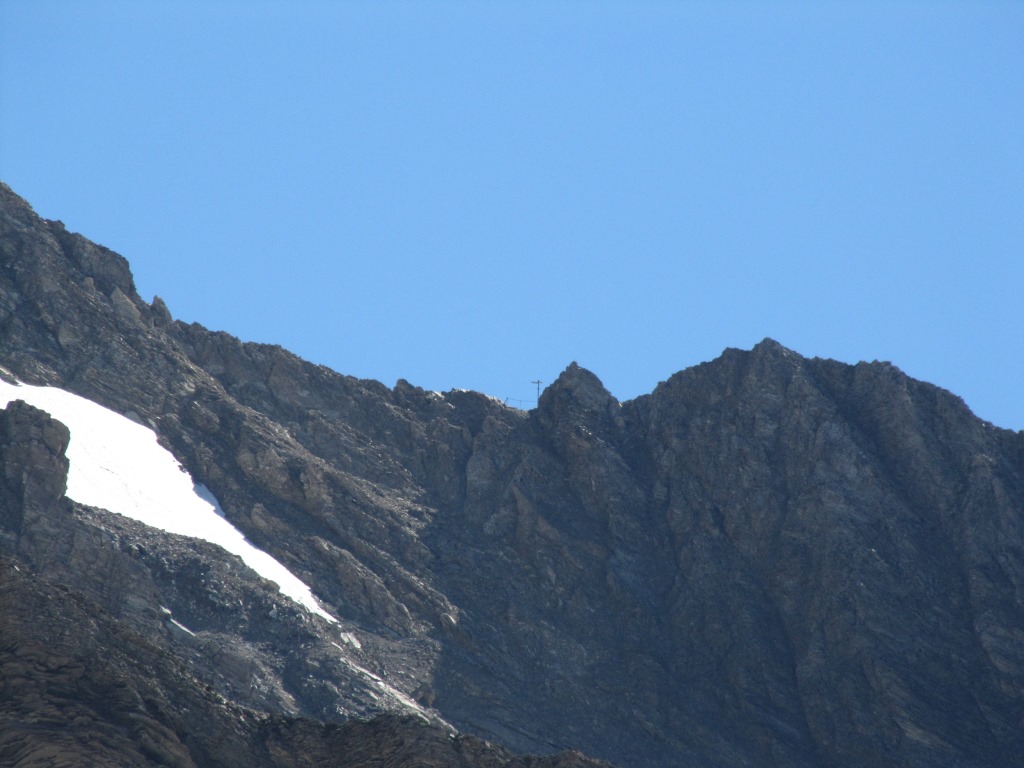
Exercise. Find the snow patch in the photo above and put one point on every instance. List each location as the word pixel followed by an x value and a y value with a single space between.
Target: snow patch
pixel 183 628
pixel 118 465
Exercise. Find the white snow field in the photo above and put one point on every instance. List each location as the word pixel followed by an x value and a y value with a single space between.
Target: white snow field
pixel 116 464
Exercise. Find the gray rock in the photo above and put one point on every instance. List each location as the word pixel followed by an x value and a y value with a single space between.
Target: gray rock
pixel 768 561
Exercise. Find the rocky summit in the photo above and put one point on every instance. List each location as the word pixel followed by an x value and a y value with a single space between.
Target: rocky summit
pixel 767 561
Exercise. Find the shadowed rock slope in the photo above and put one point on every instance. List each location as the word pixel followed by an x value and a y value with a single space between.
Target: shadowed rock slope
pixel 768 561
pixel 78 688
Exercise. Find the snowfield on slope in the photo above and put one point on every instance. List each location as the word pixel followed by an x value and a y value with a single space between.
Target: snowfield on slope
pixel 118 465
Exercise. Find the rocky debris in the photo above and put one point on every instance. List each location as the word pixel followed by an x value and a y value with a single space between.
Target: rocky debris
pixel 768 561
pixel 79 688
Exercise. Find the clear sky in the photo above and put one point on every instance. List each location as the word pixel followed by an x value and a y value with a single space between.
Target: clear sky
pixel 475 194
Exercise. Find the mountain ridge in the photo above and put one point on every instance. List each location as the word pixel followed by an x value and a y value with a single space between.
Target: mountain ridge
pixel 767 561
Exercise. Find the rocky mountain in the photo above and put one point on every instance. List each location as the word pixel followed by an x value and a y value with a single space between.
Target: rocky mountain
pixel 768 561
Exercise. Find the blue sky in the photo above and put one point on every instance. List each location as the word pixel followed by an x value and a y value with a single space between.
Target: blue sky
pixel 474 194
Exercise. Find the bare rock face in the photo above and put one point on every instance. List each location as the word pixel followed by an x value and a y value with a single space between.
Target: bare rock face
pixel 34 467
pixel 768 561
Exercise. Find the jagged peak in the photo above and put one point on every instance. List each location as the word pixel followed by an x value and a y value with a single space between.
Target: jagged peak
pixel 10 198
pixel 581 385
pixel 769 355
pixel 768 349
pixel 15 211
pixel 769 346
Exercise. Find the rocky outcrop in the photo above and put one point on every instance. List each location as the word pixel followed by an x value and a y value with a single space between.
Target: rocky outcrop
pixel 768 561
pixel 34 467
